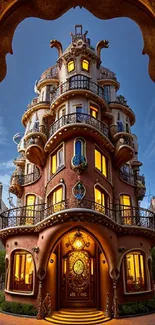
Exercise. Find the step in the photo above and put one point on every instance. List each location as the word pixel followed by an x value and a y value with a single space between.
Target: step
pixel 79 315
pixel 86 312
pixel 90 322
pixel 77 319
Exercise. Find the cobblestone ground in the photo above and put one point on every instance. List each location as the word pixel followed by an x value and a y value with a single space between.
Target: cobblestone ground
pixel 13 320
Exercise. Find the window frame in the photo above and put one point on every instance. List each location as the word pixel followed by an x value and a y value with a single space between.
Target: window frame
pixel 101 162
pixel 138 291
pixel 56 153
pixel 82 64
pixel 58 204
pixel 95 109
pixel 126 210
pixel 10 284
pixel 99 207
pixel 69 62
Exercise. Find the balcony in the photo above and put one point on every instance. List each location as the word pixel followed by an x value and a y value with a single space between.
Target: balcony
pixel 71 122
pixel 35 105
pixel 16 184
pixel 78 84
pixel 124 150
pixel 18 181
pixel 121 103
pixel 126 216
pixel 136 180
pixel 35 151
pixel 48 77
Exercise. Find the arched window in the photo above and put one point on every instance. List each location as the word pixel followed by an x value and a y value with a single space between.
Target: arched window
pixel 85 65
pixel 30 209
pixel 71 65
pixel 135 272
pixel 79 147
pixel 101 199
pixel 55 199
pixel 22 271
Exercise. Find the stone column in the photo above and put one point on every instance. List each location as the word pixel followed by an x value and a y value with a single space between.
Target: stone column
pixel 115 300
pixel 40 301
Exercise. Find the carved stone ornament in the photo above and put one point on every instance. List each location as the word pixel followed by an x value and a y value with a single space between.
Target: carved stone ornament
pixel 12 12
pixel 79 190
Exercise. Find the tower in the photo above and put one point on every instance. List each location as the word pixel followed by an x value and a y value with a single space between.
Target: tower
pixel 78 238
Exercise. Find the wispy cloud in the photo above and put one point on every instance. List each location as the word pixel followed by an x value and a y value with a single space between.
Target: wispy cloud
pixel 8 164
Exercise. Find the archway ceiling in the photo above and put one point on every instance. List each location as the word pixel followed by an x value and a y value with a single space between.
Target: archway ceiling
pixel 12 12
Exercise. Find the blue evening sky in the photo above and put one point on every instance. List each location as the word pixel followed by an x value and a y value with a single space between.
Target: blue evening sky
pixel 32 55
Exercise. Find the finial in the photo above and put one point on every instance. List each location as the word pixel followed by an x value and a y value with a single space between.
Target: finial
pixel 100 45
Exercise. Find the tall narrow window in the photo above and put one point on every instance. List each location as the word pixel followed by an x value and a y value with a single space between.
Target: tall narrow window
pixel 30 210
pixel 57 160
pixel 85 64
pixel 100 162
pixel 23 268
pixel 71 66
pixel 94 111
pixel 62 111
pixel 107 94
pixel 29 169
pixel 125 205
pixel 99 200
pixel 134 270
pixel 55 199
pixel 79 147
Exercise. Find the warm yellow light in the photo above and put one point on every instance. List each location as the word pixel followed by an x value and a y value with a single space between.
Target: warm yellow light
pixel 85 65
pixel 71 66
pixel 65 266
pixel 54 164
pixel 93 111
pixel 97 159
pixel 92 266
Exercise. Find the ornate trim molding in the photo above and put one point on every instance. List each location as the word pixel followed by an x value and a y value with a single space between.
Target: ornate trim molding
pixel 12 12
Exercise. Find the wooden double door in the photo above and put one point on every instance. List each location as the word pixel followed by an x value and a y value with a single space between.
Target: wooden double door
pixel 78 279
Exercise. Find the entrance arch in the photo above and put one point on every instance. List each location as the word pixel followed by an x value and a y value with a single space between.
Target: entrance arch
pixel 13 12
pixel 77 272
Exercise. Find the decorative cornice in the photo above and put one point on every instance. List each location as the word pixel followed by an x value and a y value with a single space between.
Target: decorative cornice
pixel 75 215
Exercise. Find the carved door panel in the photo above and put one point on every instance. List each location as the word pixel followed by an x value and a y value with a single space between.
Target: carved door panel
pixel 78 279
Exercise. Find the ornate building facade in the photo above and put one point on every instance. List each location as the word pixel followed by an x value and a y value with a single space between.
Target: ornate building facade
pixel 78 238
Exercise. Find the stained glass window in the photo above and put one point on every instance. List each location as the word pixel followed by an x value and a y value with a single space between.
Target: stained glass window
pixel 79 191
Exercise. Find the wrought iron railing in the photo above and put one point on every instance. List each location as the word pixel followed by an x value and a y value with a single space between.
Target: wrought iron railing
pixel 80 83
pixel 36 101
pixel 25 179
pixel 121 214
pixel 127 177
pixel 79 118
pixel 38 128
pixel 131 179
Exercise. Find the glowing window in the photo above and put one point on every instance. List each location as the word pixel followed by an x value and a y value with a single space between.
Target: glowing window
pixel 71 66
pixel 99 200
pixel 85 64
pixel 55 199
pixel 126 210
pixel 93 111
pixel 100 162
pixel 134 270
pixel 30 209
pixel 23 269
pixel 57 160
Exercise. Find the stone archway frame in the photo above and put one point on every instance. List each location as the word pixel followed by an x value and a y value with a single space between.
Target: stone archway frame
pixel 12 12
